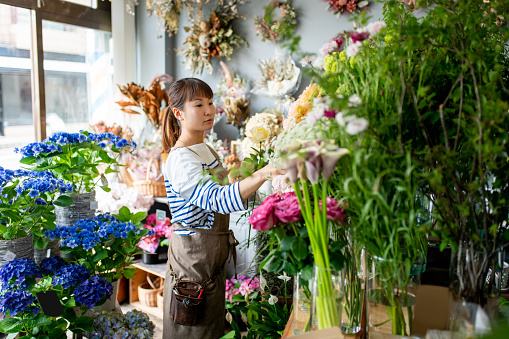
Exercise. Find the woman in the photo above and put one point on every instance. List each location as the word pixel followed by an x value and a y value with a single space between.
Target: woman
pixel 201 242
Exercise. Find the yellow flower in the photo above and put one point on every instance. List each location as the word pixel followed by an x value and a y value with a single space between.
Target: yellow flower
pixel 259 134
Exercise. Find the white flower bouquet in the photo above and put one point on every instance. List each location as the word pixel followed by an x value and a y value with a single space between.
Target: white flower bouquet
pixel 280 76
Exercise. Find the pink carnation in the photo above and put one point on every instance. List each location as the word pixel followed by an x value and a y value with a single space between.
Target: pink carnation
pixel 262 218
pixel 335 210
pixel 375 27
pixel 288 209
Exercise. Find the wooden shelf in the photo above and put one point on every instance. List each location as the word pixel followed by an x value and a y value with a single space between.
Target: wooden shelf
pixel 156 269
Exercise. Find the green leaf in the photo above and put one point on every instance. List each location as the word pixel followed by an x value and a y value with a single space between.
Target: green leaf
pixel 63 201
pixel 11 325
pixel 287 243
pixel 101 254
pixel 300 249
pixel 129 273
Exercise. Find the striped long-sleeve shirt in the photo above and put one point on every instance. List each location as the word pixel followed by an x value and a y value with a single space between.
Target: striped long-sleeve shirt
pixel 192 195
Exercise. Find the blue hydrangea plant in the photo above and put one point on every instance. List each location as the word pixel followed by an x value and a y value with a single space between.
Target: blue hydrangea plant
pixel 132 325
pixel 27 200
pixel 21 283
pixel 81 158
pixel 105 244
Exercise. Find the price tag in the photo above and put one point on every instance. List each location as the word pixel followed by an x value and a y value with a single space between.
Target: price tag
pixel 9 256
pixel 160 215
pixel 94 205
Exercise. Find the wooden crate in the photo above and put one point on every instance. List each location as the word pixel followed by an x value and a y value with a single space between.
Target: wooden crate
pixel 142 270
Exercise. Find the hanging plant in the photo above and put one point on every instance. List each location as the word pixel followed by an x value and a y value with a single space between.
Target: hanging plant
pixel 276 30
pixel 214 38
pixel 338 7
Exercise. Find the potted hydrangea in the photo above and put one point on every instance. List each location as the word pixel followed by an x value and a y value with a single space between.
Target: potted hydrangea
pixel 105 244
pixel 82 159
pixel 27 201
pixel 133 325
pixel 42 301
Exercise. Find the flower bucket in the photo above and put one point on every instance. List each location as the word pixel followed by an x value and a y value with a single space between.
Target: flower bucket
pixel 150 258
pixel 83 207
pixel 52 249
pixel 16 249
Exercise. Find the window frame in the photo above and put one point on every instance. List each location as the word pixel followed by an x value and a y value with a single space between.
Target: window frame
pixel 63 12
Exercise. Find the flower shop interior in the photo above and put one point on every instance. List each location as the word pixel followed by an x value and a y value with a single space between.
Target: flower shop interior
pixel 395 113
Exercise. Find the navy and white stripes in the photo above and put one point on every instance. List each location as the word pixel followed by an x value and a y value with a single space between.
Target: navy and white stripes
pixel 192 196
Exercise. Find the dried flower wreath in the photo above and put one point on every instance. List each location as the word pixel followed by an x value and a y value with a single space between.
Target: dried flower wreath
pixel 276 30
pixel 338 7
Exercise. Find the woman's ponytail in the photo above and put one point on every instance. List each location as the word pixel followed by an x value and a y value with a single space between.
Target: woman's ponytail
pixel 171 129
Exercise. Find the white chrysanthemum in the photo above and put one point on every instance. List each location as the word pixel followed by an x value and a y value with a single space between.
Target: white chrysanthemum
pixel 353 49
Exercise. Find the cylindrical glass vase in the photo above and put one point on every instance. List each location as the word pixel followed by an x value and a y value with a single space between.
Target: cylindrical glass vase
pixel 391 286
pixel 353 290
pixel 301 303
pixel 326 298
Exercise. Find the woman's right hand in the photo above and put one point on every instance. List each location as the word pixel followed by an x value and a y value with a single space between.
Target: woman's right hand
pixel 268 172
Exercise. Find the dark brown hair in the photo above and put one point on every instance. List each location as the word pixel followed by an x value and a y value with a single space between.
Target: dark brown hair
pixel 180 92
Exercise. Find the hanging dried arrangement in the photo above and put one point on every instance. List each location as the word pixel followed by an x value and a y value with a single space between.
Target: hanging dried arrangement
pixel 169 11
pixel 212 38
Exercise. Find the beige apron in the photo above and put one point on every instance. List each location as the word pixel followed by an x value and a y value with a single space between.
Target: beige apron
pixel 199 257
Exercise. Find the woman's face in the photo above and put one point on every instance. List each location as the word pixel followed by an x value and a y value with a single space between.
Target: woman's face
pixel 198 114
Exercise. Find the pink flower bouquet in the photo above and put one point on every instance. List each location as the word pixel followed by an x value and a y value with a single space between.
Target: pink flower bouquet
pixel 161 235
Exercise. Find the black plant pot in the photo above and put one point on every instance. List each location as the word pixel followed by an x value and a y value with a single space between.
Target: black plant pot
pixel 150 258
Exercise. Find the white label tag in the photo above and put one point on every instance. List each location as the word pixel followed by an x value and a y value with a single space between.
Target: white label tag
pixel 94 205
pixel 9 256
pixel 160 215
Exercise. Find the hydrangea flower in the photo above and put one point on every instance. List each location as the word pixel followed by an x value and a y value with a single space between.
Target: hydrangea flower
pixel 17 301
pixel 91 291
pixel 51 264
pixel 19 269
pixel 70 275
pixel 132 325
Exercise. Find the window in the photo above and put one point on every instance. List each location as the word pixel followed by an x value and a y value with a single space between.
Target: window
pixel 61 50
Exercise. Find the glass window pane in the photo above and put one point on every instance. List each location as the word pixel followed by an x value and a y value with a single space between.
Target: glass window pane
pixel 78 75
pixel 16 123
pixel 88 3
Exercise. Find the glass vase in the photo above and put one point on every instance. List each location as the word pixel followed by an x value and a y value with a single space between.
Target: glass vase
pixel 326 298
pixel 353 290
pixel 301 303
pixel 476 279
pixel 391 286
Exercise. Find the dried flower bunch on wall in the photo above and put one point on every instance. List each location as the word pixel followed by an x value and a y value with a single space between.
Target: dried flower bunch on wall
pixel 280 76
pixel 276 30
pixel 148 101
pixel 233 94
pixel 212 38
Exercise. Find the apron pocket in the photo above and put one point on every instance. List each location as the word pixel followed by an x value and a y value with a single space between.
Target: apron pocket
pixel 187 303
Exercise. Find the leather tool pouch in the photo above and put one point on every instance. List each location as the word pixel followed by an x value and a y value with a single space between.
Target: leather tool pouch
pixel 187 303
